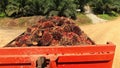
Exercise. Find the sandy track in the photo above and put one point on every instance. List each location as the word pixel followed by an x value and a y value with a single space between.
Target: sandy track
pixel 104 32
pixel 94 18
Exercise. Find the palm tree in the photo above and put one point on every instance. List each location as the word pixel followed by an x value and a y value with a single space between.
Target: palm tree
pixel 18 7
pixel 64 8
pixel 3 4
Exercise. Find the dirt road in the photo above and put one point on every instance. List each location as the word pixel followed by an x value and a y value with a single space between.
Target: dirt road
pixel 104 32
pixel 94 18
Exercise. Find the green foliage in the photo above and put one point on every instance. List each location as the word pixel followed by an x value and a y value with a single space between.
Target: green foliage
pixel 113 13
pixel 64 8
pixel 41 7
pixel 3 4
pixel 106 16
pixel 18 8
pixel 82 19
pixel 102 6
pixel 116 6
pixel 105 6
pixel 2 15
pixel 67 8
pixel 81 4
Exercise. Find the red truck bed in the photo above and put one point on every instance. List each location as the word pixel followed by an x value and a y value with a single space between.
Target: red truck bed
pixel 82 56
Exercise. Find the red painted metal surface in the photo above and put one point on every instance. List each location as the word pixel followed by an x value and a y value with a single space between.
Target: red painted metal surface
pixel 87 56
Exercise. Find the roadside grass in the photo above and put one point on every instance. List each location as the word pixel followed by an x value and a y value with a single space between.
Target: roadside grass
pixel 4 21
pixel 82 19
pixel 2 15
pixel 18 22
pixel 107 17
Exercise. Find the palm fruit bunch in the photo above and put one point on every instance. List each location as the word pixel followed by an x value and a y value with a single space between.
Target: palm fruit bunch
pixel 53 31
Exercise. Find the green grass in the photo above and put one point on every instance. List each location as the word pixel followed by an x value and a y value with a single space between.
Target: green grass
pixel 106 16
pixel 82 19
pixel 2 15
